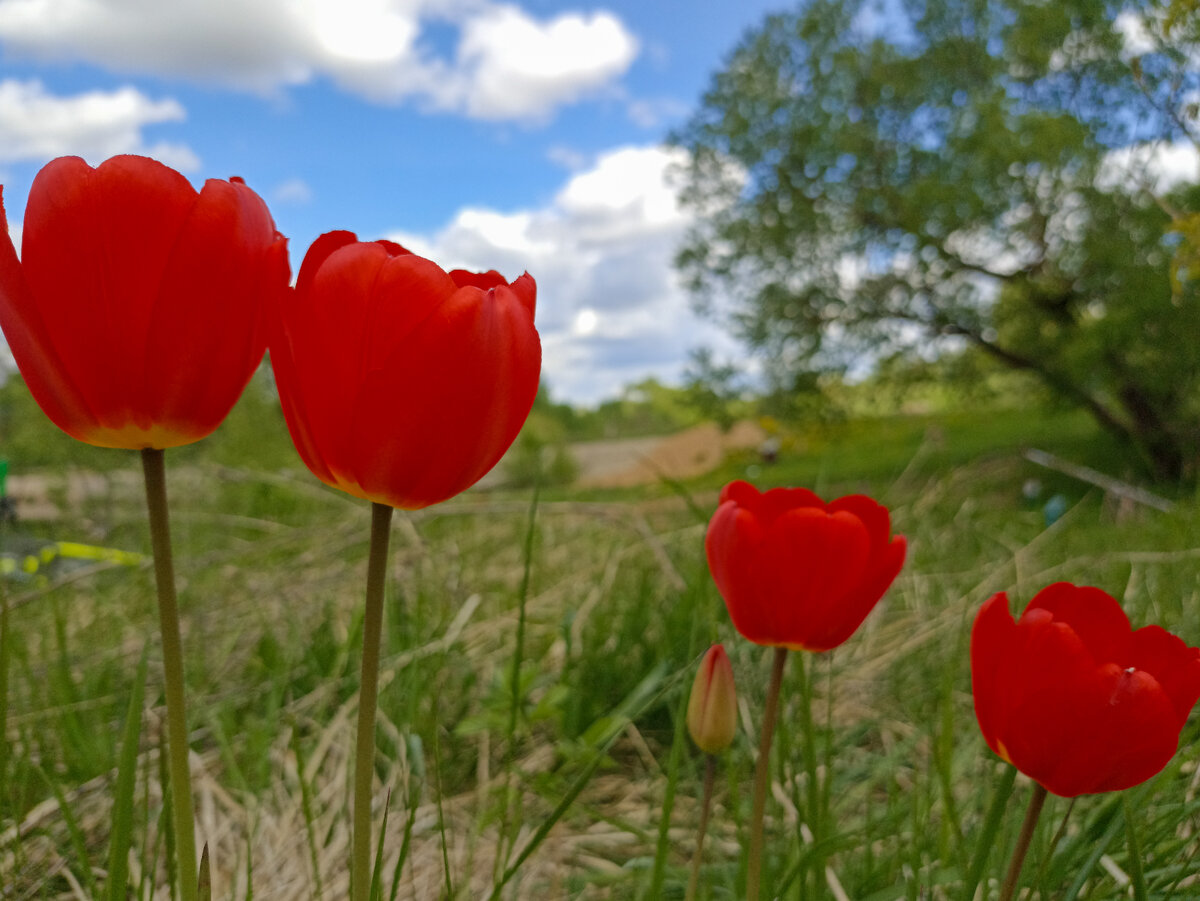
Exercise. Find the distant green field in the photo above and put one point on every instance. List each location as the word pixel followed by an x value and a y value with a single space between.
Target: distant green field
pixel 618 608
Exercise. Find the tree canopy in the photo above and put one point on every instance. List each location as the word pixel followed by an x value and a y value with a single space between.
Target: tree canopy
pixel 917 175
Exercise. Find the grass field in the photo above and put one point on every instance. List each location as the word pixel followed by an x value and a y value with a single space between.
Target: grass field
pixel 580 783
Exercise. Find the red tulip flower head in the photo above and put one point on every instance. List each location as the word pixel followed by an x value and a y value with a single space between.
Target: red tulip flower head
pixel 135 311
pixel 402 383
pixel 712 705
pixel 796 572
pixel 1073 697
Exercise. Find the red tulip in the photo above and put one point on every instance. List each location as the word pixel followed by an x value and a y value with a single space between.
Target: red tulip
pixel 712 705
pixel 796 572
pixel 134 311
pixel 1074 698
pixel 401 383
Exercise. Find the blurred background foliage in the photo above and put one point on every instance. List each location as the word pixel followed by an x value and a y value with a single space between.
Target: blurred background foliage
pixel 944 174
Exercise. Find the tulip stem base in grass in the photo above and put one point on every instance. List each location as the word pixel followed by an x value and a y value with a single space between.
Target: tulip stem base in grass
pixel 172 646
pixel 710 777
pixel 368 695
pixel 1023 840
pixel 762 775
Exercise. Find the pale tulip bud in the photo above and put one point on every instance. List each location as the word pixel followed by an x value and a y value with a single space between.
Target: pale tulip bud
pixel 712 708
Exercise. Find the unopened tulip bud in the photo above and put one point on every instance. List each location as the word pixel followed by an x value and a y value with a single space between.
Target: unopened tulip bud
pixel 712 708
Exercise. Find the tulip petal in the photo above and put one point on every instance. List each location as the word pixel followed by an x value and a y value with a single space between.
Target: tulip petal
pixel 1074 700
pixel 96 242
pixel 885 565
pixel 206 335
pixel 795 572
pixel 462 278
pixel 993 636
pixel 1123 733
pixel 467 378
pixel 1174 665
pixel 1048 694
pixel 780 501
pixel 810 562
pixel 733 545
pixel 32 348
pixel 1094 615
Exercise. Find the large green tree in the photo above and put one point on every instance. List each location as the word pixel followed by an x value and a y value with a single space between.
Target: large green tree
pixel 917 175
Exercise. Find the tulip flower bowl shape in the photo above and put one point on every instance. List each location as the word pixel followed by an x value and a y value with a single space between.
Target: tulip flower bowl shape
pixel 1075 698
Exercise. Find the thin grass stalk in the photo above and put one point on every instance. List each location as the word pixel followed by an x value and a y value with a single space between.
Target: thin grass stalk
pixel 662 848
pixel 987 838
pixel 1137 876
pixel 4 664
pixel 710 778
pixel 762 775
pixel 204 879
pixel 1039 877
pixel 648 692
pixel 306 808
pixel 121 837
pixel 503 848
pixel 368 696
pixel 1023 839
pixel 807 667
pixel 183 820
pixel 441 812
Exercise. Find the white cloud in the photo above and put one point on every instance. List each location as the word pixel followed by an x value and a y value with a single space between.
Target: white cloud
pixel 38 125
pixel 1157 167
pixel 519 67
pixel 507 65
pixel 610 307
pixel 294 191
pixel 1135 36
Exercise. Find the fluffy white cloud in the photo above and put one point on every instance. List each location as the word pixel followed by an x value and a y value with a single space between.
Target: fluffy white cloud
pixel 1157 167
pixel 610 308
pixel 38 125
pixel 1134 34
pixel 516 66
pixel 508 64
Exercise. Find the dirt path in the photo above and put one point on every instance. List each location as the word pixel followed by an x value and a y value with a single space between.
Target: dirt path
pixel 692 452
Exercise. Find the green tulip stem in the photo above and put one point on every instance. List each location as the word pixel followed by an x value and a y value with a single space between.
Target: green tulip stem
pixel 710 777
pixel 368 696
pixel 172 650
pixel 762 776
pixel 1023 840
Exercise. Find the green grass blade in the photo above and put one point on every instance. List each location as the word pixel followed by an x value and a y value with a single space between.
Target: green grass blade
pixel 515 677
pixel 306 807
pixel 987 838
pixel 648 692
pixel 405 846
pixel 167 816
pixel 437 782
pixel 1089 865
pixel 204 879
pixel 4 664
pixel 1136 874
pixel 664 823
pixel 78 841
pixel 121 838
pixel 376 891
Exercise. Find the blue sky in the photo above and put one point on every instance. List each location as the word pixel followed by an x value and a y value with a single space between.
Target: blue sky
pixel 483 134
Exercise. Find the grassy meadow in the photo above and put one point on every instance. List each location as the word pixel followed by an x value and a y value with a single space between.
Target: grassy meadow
pixel 536 664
